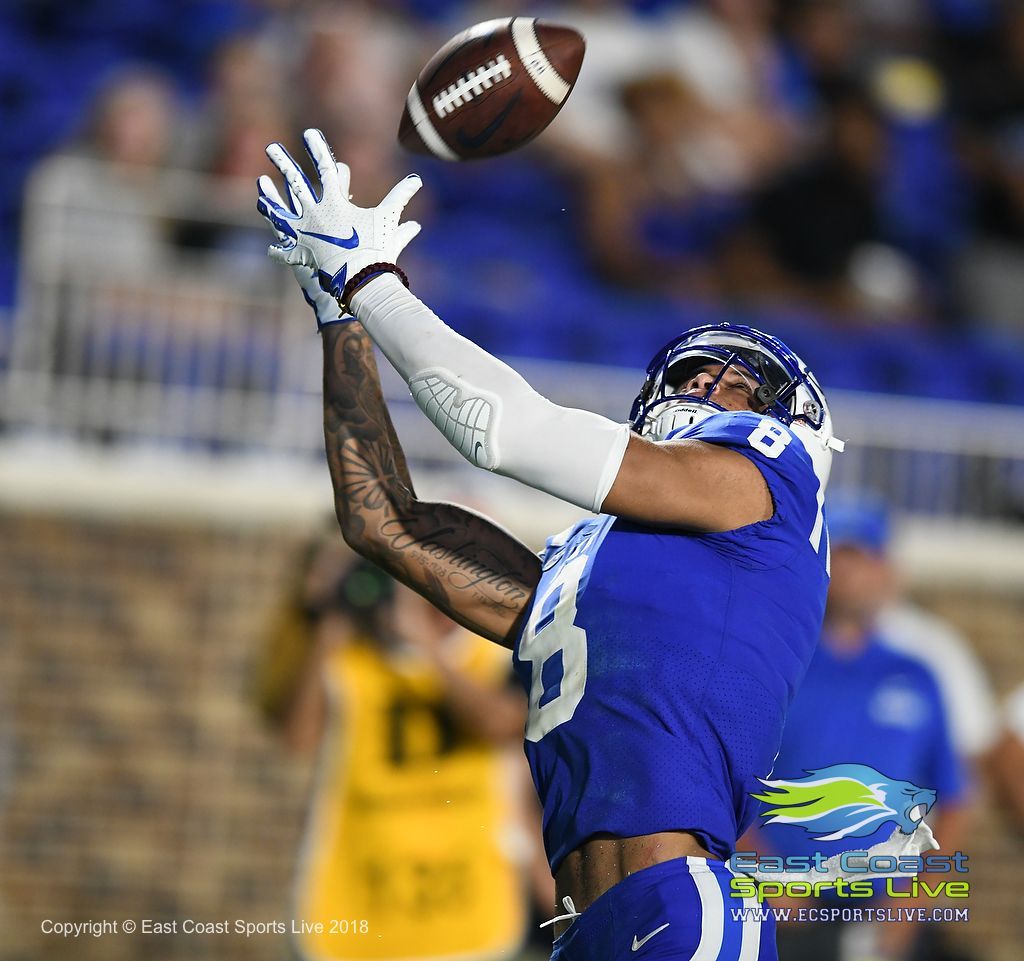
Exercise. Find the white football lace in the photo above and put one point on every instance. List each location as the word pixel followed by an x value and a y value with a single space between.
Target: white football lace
pixel 570 907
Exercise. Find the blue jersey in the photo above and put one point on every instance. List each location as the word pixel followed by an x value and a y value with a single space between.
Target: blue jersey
pixel 876 707
pixel 660 663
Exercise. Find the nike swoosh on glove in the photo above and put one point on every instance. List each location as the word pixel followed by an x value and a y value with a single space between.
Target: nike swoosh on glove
pixel 323 303
pixel 329 233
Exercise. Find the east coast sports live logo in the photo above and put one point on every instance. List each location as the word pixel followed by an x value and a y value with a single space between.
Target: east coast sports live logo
pixel 850 801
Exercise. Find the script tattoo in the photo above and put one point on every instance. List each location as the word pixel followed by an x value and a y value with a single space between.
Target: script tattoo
pixel 466 565
pixel 464 570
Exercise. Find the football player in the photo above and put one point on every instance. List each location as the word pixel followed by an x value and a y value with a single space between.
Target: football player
pixel 659 642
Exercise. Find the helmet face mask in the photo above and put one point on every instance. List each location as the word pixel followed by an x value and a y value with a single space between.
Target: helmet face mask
pixel 782 387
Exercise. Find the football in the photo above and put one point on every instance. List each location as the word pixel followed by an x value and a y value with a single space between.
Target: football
pixel 491 88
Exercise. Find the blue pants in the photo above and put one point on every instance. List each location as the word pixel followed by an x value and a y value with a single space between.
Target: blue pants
pixel 679 910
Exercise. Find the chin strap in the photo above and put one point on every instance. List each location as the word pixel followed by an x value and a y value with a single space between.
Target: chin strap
pixel 677 418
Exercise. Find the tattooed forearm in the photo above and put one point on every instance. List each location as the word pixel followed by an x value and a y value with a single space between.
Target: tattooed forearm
pixel 448 546
pixel 357 426
pixel 467 566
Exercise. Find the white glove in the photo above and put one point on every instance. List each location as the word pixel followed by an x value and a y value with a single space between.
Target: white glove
pixel 331 234
pixel 325 308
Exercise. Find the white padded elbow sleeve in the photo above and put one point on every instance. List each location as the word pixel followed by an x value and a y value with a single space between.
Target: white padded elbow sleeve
pixel 485 409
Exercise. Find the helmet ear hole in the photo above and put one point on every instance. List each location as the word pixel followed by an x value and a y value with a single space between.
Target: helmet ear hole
pixel 765 395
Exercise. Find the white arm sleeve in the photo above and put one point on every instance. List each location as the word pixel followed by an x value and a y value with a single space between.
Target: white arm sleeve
pixel 485 410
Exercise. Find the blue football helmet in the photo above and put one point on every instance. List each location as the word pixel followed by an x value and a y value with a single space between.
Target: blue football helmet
pixel 783 387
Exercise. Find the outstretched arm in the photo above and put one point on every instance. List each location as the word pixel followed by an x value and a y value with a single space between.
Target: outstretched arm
pixel 467 566
pixel 492 416
pixel 483 407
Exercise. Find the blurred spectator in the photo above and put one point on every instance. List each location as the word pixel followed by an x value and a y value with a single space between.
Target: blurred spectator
pixel 815 218
pixel 351 82
pixel 620 47
pixel 1009 758
pixel 237 159
pixel 895 26
pixel 820 230
pixel 133 124
pixel 655 216
pixel 722 53
pixel 967 695
pixel 822 40
pixel 246 101
pixel 922 190
pixel 861 702
pixel 966 688
pixel 245 109
pixel 108 179
pixel 54 58
pixel 414 823
pixel 989 89
pixel 712 155
pixel 728 52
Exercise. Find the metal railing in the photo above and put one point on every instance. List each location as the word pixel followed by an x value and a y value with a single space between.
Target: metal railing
pixel 148 315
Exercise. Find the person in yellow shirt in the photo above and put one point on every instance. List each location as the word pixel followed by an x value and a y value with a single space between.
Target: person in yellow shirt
pixel 414 846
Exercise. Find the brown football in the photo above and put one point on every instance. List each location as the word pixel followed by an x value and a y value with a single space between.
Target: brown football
pixel 491 88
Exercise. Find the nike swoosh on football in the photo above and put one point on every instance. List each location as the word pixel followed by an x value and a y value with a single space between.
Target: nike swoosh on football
pixel 638 944
pixel 473 141
pixel 348 244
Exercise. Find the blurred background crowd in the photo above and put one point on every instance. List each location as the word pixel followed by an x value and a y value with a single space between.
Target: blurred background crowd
pixel 206 711
pixel 843 173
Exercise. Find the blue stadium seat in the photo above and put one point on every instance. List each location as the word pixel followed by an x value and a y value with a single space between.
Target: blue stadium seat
pixel 517 188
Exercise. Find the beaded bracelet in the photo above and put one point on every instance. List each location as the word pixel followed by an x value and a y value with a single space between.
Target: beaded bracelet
pixel 364 275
